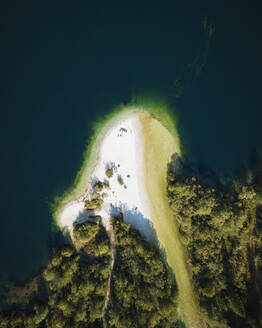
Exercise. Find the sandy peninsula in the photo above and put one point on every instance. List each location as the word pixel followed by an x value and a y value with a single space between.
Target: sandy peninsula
pixel 137 150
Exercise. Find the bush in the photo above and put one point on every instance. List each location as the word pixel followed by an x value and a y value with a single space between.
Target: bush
pixel 98 186
pixel 94 204
pixel 86 231
pixel 109 173
pixel 120 180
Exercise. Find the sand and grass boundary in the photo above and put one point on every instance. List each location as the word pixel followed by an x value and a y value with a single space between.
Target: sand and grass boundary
pixel 159 145
pixel 158 109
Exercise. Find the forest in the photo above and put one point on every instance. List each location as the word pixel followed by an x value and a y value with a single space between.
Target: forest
pixel 143 294
pixel 73 286
pixel 221 231
pixel 72 289
pixel 118 279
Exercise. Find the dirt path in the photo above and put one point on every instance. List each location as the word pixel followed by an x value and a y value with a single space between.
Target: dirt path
pixel 113 248
pixel 159 145
pixel 253 267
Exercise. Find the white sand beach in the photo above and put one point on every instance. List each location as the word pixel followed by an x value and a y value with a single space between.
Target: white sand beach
pixel 122 150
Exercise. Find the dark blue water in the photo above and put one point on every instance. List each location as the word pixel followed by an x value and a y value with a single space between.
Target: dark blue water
pixel 64 65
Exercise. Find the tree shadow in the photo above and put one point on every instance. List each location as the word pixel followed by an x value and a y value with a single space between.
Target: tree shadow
pixel 246 173
pixel 111 165
pixel 250 171
pixel 137 221
pixel 83 217
pixel 204 174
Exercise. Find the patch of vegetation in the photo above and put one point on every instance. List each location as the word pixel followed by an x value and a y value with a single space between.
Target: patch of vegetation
pixel 21 296
pixel 95 195
pixel 120 180
pixel 109 172
pixel 142 292
pixel 106 185
pixel 98 186
pixel 76 285
pixel 86 231
pixel 94 204
pixel 222 235
pixel 104 195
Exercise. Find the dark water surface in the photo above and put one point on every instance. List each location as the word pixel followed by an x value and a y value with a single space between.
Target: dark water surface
pixel 64 65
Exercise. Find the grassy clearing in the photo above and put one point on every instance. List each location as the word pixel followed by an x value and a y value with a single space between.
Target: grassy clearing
pixel 159 145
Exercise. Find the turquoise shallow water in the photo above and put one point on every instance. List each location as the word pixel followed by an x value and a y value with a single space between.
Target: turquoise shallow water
pixel 63 67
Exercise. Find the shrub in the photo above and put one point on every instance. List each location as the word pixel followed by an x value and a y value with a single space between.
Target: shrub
pixel 109 173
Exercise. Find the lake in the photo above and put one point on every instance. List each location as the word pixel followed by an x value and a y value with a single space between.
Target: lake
pixel 64 67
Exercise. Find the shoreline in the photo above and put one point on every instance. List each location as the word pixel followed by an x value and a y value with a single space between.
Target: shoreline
pixel 159 145
pixel 152 106
pixel 121 149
